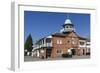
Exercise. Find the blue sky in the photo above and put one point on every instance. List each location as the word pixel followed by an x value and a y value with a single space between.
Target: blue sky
pixel 41 24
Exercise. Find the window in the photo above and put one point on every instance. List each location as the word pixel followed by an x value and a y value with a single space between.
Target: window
pixel 67 26
pixel 48 40
pixel 81 43
pixel 59 41
pixel 73 38
pixel 70 26
pixel 42 51
pixel 88 50
pixel 68 41
pixel 72 42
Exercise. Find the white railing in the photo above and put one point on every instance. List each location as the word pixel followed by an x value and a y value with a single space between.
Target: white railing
pixel 36 46
pixel 43 45
pixel 88 46
pixel 82 46
pixel 48 44
pixel 87 42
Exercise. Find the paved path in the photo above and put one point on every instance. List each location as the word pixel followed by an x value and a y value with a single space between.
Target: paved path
pixel 30 58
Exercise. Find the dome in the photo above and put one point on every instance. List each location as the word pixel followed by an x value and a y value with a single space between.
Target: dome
pixel 68 21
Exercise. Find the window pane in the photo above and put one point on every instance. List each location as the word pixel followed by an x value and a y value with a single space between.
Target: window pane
pixel 81 43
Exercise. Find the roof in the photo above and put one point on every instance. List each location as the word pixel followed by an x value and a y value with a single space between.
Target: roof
pixel 61 34
pixel 68 21
pixel 67 33
pixel 82 38
pixel 49 36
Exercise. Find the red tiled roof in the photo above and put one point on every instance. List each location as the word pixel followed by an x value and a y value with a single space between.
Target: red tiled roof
pixel 66 34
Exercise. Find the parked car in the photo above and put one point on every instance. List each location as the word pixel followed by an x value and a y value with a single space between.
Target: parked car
pixel 67 55
pixel 88 53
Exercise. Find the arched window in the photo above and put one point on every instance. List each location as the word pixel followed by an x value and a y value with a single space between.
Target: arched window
pixel 67 26
pixel 59 41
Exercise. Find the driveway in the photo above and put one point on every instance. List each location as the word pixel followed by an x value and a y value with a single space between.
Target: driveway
pixel 30 58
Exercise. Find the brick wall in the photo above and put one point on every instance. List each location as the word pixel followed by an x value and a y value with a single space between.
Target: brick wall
pixel 65 45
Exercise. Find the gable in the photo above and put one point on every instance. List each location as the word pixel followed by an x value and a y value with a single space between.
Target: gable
pixel 73 34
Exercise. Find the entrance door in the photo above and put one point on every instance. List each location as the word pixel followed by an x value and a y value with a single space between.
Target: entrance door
pixel 73 51
pixel 48 53
pixel 83 52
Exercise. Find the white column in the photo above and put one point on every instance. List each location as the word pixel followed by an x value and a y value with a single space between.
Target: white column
pixel 44 42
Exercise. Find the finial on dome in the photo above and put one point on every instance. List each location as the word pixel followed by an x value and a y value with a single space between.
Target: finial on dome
pixel 67 16
pixel 68 21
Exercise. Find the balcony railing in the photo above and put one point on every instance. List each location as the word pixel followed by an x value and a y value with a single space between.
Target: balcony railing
pixel 43 45
pixel 88 46
pixel 48 44
pixel 88 43
pixel 82 45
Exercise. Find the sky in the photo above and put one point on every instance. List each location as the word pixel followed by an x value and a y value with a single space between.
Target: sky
pixel 41 24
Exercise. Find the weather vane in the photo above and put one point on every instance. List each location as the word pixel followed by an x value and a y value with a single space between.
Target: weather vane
pixel 67 16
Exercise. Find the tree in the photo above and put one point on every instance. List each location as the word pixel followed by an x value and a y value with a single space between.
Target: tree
pixel 28 43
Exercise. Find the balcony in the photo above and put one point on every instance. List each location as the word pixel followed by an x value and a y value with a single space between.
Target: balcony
pixel 88 46
pixel 46 45
pixel 43 45
pixel 82 46
pixel 88 43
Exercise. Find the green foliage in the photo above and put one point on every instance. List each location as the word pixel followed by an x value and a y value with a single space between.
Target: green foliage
pixel 28 43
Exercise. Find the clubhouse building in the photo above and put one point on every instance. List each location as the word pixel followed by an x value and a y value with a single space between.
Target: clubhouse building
pixel 65 41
